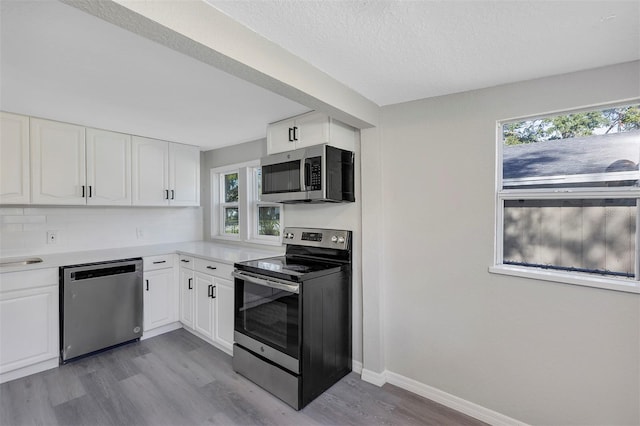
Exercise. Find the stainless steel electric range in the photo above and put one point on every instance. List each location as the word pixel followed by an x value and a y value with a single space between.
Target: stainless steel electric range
pixel 292 325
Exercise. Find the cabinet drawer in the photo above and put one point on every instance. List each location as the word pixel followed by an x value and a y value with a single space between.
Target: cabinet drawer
pixel 211 267
pixel 22 280
pixel 185 261
pixel 162 261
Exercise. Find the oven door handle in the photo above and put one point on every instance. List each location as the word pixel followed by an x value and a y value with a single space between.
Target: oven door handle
pixel 280 285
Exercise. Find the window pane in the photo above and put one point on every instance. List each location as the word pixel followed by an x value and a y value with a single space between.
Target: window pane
pixel 231 220
pixel 269 220
pixel 231 188
pixel 596 236
pixel 595 148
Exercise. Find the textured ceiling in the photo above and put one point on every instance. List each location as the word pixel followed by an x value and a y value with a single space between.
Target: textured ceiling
pixel 61 63
pixel 396 51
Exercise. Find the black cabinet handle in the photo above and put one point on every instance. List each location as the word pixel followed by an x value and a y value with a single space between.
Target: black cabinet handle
pixel 290 134
pixel 210 291
pixel 214 292
pixel 173 194
pixel 190 286
pixel 295 133
pixel 82 191
pixel 147 284
pixel 90 191
pixel 159 261
pixel 166 194
pixel 211 267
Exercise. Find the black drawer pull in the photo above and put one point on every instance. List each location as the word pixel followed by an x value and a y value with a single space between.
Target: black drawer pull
pixel 185 260
pixel 211 267
pixel 159 261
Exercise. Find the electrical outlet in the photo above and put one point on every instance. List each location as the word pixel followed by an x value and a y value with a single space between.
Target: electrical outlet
pixel 52 237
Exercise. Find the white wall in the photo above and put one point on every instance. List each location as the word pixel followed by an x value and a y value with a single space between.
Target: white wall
pixel 539 352
pixel 23 230
pixel 326 215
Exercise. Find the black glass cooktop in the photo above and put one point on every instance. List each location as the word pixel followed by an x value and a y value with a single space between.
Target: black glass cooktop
pixel 292 268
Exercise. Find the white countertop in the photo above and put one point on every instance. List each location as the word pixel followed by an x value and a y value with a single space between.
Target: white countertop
pixel 225 253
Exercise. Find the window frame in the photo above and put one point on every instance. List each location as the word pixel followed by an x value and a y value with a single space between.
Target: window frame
pixel 247 205
pixel 224 205
pixel 255 205
pixel 569 277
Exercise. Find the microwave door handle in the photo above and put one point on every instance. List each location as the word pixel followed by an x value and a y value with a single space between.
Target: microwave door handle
pixel 307 174
pixel 291 288
pixel 303 174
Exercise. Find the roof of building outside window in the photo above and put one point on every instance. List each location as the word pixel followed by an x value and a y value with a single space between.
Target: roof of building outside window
pixel 592 154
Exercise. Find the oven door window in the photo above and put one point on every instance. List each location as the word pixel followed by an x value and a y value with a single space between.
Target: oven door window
pixel 282 177
pixel 268 315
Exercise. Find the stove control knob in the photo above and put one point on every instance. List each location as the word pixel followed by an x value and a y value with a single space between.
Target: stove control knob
pixel 289 235
pixel 340 240
pixel 334 239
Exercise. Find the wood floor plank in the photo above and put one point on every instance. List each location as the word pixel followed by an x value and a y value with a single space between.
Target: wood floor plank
pixel 178 379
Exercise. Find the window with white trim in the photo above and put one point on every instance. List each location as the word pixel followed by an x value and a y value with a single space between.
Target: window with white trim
pixel 237 212
pixel 266 225
pixel 229 206
pixel 568 197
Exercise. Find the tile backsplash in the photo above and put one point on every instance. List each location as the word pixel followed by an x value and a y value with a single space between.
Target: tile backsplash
pixel 23 230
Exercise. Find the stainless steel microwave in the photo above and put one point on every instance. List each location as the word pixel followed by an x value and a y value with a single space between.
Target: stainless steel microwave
pixel 319 173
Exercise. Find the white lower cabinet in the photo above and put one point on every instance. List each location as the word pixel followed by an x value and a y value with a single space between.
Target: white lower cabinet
pixel 224 312
pixel 160 294
pixel 206 304
pixel 28 322
pixel 187 297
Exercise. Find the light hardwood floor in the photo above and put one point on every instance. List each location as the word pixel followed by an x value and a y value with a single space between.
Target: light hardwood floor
pixel 178 379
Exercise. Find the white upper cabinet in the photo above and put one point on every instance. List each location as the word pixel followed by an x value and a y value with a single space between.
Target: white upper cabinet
pixel 309 129
pixel 184 175
pixel 57 163
pixel 165 173
pixel 72 165
pixel 52 163
pixel 150 172
pixel 108 168
pixel 14 159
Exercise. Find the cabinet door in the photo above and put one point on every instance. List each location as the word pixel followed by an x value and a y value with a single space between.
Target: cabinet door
pixel 28 327
pixel 57 163
pixel 187 297
pixel 280 137
pixel 14 159
pixel 224 312
pixel 184 175
pixel 158 298
pixel 312 129
pixel 150 172
pixel 108 168
pixel 203 315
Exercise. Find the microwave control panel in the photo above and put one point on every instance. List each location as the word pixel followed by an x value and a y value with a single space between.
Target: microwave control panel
pixel 313 173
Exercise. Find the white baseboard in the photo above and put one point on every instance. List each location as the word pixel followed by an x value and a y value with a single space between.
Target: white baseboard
pixel 462 405
pixel 29 370
pixel 161 330
pixel 356 366
pixel 374 378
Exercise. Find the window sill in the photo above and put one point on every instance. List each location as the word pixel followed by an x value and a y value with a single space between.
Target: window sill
pixel 628 286
pixel 227 239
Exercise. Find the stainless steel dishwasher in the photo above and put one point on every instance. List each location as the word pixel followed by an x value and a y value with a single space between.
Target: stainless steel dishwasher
pixel 100 306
